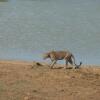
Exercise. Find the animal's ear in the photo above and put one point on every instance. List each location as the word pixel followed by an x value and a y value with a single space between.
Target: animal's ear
pixel 52 50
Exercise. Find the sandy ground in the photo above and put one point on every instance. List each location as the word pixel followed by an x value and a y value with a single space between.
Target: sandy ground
pixel 21 80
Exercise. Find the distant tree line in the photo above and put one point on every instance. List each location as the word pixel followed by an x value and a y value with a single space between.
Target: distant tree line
pixel 3 0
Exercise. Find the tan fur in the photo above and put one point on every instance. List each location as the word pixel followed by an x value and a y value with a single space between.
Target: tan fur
pixel 60 55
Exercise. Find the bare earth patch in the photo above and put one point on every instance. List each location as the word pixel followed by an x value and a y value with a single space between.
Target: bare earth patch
pixel 21 80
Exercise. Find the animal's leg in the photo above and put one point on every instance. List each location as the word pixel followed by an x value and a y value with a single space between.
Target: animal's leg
pixel 52 64
pixel 71 62
pixel 52 60
pixel 66 64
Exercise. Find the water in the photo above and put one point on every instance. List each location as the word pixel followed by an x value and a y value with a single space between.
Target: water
pixel 28 28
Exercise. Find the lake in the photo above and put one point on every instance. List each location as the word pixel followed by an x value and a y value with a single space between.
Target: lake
pixel 28 28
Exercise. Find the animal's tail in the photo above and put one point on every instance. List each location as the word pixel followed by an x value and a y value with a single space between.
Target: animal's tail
pixel 76 66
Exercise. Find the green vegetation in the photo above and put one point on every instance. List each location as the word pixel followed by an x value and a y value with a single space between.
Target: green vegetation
pixel 3 0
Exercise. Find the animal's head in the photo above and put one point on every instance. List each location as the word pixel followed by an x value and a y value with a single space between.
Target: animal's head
pixel 78 66
pixel 45 56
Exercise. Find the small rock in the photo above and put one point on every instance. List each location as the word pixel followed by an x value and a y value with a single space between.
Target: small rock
pixel 34 90
pixel 26 98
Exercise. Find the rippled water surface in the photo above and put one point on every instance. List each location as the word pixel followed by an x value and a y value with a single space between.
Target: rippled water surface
pixel 29 28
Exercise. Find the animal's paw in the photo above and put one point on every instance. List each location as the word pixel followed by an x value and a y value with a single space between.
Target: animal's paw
pixel 77 67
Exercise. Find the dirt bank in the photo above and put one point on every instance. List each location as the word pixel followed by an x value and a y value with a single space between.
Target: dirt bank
pixel 21 80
